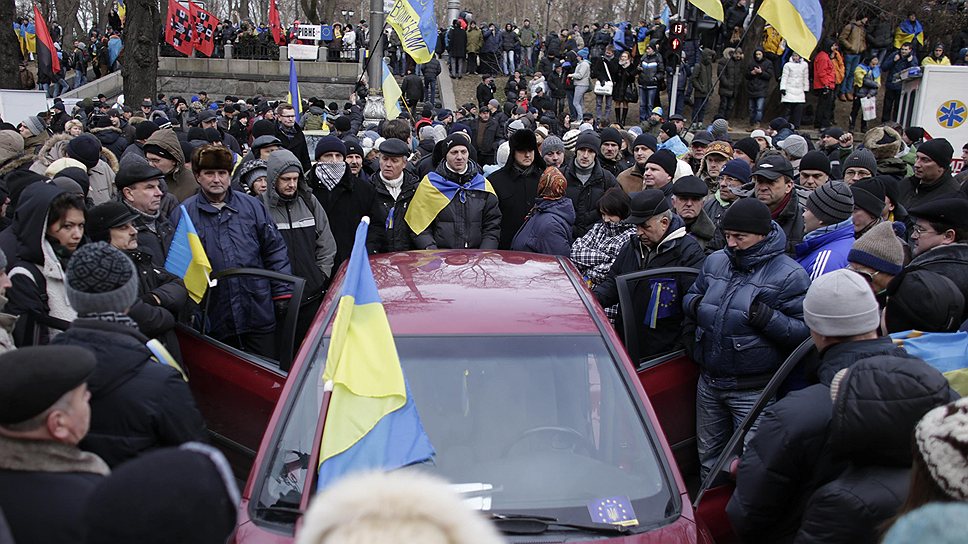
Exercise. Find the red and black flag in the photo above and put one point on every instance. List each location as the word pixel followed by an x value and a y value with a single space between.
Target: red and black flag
pixel 47 62
pixel 204 34
pixel 178 28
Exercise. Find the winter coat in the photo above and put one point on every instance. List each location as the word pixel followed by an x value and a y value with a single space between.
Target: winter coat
pixel 914 193
pixel 397 236
pixel 304 226
pixel 795 82
pixel 651 70
pixel 594 253
pixel 484 136
pixel 509 40
pixel 873 420
pixel 895 69
pixel 675 249
pixel 431 69
pixel 789 457
pixel 599 73
pixel 585 196
pixel 35 258
pixel 881 34
pixel 345 205
pixel 791 221
pixel 295 142
pixel 553 45
pixel 625 82
pixel 412 87
pixel 757 85
pixel 840 69
pixel 732 77
pixel 137 403
pixel 492 41
pixel 472 219
pixel 729 347
pixel 630 180
pixel 704 232
pixel 548 229
pixel 475 40
pixel 181 181
pixel 240 234
pixel 823 72
pixel 112 138
pixel 100 177
pixel 527 36
pixel 484 94
pixel 702 74
pixel 582 74
pixel 44 489
pixel 154 236
pixel 865 81
pixel 853 39
pixel 516 192
pixel 949 260
pixel 156 319
pixel 457 44
pixel 822 252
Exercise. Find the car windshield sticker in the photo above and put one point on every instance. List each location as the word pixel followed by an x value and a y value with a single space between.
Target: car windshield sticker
pixel 613 511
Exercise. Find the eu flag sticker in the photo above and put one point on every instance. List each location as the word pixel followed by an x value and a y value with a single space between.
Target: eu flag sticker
pixel 613 511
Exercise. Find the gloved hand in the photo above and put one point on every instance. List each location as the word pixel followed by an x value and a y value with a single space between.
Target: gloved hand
pixel 760 314
pixel 281 307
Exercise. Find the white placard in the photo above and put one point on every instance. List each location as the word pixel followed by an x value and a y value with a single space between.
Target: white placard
pixel 308 32
pixel 303 52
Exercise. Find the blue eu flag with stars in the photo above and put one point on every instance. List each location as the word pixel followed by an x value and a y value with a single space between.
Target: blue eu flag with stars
pixel 663 301
pixel 613 511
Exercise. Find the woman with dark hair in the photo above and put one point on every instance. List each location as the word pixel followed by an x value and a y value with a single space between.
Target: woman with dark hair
pixel 594 253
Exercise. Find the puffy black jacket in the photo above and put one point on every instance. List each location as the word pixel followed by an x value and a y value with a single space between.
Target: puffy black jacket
pixel 516 190
pixel 732 77
pixel 509 40
pixel 112 139
pixel 345 205
pixel 728 344
pixel 585 196
pixel 392 212
pixel 157 318
pixel 553 45
pixel 471 222
pixel 757 85
pixel 914 193
pixel 431 69
pixel 137 403
pixel 457 46
pixel 950 261
pixel 789 457
pixel 879 401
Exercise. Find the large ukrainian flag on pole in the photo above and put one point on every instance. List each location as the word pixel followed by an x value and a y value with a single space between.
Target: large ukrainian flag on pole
pixel 800 22
pixel 294 89
pixel 434 193
pixel 371 422
pixel 415 24
pixel 712 8
pixel 187 258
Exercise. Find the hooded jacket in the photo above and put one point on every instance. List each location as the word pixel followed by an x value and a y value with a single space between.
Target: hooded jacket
pixel 37 307
pixel 795 82
pixel 732 76
pixel 702 75
pixel 585 196
pixel 112 138
pixel 730 348
pixel 757 85
pixel 100 178
pixel 548 229
pixel 137 403
pixel 181 181
pixel 473 222
pixel 789 457
pixel 517 187
pixel 304 226
pixel 879 402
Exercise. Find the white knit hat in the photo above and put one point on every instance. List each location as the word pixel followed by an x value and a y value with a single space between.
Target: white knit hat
pixel 841 303
pixel 942 439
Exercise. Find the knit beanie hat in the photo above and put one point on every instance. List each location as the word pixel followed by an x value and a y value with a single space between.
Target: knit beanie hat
pixel 840 303
pixel 831 203
pixel 11 145
pixel 588 140
pixel 62 163
pixel 34 125
pixel 665 159
pixel 938 150
pixel 936 522
pixel 914 133
pixel 879 249
pixel 551 144
pixel 610 134
pixel 883 142
pixel 795 146
pixel 815 160
pixel 570 139
pixel 747 215
pixel 85 148
pixel 670 129
pixel 861 158
pixel 263 127
pixel 737 168
pixel 720 129
pixel 869 196
pixel 646 139
pixel 924 301
pixel 748 146
pixel 100 279
pixel 144 130
pixel 252 170
pixel 940 437
pixel 329 144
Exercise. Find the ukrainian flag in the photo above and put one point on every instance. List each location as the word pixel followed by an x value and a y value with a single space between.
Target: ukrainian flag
pixel 434 194
pixel 800 22
pixel 416 25
pixel 712 8
pixel 391 93
pixel 907 32
pixel 294 98
pixel 945 351
pixel 187 258
pixel 371 422
pixel 122 10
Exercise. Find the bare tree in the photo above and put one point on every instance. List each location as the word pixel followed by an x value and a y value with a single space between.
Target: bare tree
pixel 9 48
pixel 139 60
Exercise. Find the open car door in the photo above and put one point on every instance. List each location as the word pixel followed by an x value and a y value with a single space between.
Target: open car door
pixel 717 488
pixel 236 391
pixel 670 378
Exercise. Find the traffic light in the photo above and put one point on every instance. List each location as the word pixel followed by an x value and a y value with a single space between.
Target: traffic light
pixel 678 33
pixel 676 45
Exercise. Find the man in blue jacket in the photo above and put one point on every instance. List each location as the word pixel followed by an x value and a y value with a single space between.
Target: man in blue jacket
pixel 829 228
pixel 237 232
pixel 747 304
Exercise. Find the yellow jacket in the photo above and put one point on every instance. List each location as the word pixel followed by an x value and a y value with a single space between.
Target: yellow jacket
pixel 772 41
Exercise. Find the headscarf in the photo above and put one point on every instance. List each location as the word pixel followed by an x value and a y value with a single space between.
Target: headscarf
pixel 552 184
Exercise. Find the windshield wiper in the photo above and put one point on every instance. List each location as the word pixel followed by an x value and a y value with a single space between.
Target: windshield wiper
pixel 526 524
pixel 287 512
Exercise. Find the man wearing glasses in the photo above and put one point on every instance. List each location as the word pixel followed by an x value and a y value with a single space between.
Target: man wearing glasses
pixel 940 239
pixel 291 134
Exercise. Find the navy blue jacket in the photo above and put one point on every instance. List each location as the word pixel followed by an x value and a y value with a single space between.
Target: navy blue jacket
pixel 727 344
pixel 548 230
pixel 240 234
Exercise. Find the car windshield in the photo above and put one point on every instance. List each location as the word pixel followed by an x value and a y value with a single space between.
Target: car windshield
pixel 524 425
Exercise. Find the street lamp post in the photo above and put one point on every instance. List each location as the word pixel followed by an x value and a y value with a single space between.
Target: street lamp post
pixel 548 18
pixel 375 110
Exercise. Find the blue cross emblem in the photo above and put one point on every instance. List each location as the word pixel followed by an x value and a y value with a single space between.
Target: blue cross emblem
pixel 952 114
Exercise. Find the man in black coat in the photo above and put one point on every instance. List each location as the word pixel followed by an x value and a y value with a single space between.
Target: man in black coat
pixel 484 135
pixel 394 186
pixel 412 88
pixel 45 479
pixel 660 242
pixel 516 184
pixel 587 182
pixel 485 91
pixel 137 403
pixel 789 456
pixel 291 134
pixel 457 48
pixel 140 189
pixel 940 240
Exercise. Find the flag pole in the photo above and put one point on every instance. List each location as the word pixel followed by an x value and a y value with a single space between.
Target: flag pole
pixel 370 53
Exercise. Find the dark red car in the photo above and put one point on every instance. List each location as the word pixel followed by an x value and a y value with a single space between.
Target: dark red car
pixel 535 409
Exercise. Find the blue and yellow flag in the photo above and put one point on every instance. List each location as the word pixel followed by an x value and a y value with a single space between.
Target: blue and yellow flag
pixel 434 194
pixel 945 351
pixel 294 98
pixel 712 8
pixel 415 24
pixel 187 258
pixel 907 32
pixel 391 93
pixel 800 22
pixel 372 421
pixel 122 10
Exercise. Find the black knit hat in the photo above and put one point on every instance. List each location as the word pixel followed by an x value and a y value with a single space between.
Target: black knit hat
pixel 869 196
pixel 747 215
pixel 588 140
pixel 610 134
pixel 100 279
pixel 85 148
pixel 665 159
pixel 329 144
pixel 670 129
pixel 144 130
pixel 748 146
pixel 831 203
pixel 647 140
pixel 925 301
pixel 938 150
pixel 815 160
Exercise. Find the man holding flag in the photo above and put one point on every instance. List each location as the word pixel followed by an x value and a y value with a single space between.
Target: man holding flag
pixel 235 231
pixel 454 206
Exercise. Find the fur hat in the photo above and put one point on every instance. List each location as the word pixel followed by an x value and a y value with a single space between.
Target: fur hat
pixel 940 437
pixel 883 142
pixel 211 157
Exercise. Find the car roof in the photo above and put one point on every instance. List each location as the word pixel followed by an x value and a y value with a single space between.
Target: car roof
pixel 477 292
